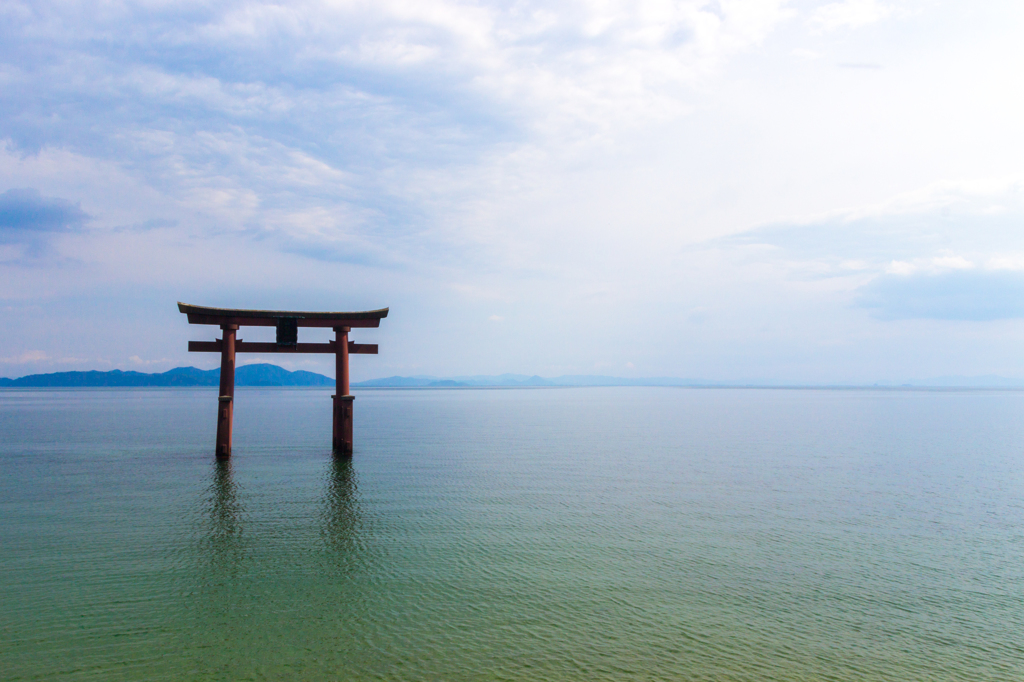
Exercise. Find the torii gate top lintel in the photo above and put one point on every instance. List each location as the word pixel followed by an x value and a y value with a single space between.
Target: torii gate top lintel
pixel 287 323
pixel 268 318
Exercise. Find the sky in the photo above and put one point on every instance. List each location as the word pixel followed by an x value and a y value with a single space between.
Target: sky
pixel 760 190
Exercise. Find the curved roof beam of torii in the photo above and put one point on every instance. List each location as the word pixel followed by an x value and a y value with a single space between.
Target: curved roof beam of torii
pixel 268 318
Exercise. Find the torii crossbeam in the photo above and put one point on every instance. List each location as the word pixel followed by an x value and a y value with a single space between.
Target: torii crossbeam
pixel 287 323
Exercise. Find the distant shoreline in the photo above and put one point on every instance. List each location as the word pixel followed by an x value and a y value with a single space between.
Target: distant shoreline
pixel 271 376
pixel 245 375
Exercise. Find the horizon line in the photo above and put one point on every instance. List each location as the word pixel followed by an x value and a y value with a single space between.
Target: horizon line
pixel 514 380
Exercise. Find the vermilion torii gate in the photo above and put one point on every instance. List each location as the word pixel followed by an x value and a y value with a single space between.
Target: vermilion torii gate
pixel 287 323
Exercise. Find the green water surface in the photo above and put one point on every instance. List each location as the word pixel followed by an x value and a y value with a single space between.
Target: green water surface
pixel 549 534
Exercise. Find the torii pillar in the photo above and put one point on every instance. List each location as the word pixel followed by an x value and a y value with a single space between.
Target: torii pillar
pixel 343 399
pixel 287 323
pixel 226 396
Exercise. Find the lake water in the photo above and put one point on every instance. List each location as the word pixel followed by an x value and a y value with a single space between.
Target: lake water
pixel 546 534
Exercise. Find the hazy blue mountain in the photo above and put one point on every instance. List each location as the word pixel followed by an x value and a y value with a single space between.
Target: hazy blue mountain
pixel 505 380
pixel 180 376
pixel 397 382
pixel 271 375
pixel 986 381
pixel 246 375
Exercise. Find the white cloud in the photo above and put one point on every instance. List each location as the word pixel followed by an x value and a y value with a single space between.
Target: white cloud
pixel 38 357
pixel 566 163
pixel 557 64
pixel 849 14
pixel 952 263
pixel 139 362
pixel 960 294
pixel 931 265
pixel 1006 262
pixel 26 357
pixel 901 267
pixel 804 53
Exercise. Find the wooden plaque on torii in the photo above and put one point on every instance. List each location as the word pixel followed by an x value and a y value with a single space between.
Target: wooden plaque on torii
pixel 287 323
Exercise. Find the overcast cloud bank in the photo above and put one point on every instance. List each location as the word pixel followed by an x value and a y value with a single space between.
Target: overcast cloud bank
pixel 801 191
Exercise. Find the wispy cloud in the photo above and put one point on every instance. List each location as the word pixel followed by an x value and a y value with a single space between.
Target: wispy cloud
pixel 38 357
pixel 948 252
pixel 947 226
pixel 849 14
pixel 139 362
pixel 29 220
pixel 26 210
pixel 957 295
pixel 575 165
pixel 26 357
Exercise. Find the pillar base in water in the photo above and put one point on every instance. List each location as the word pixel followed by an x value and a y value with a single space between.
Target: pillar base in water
pixel 225 415
pixel 342 443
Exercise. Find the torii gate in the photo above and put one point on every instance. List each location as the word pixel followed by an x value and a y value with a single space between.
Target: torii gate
pixel 287 323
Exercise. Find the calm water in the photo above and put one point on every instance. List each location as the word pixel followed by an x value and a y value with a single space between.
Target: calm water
pixel 566 534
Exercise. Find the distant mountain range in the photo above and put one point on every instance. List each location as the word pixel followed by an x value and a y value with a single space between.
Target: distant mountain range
pixel 272 375
pixel 245 375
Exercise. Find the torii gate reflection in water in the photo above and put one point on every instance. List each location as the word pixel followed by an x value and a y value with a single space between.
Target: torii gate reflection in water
pixel 287 323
